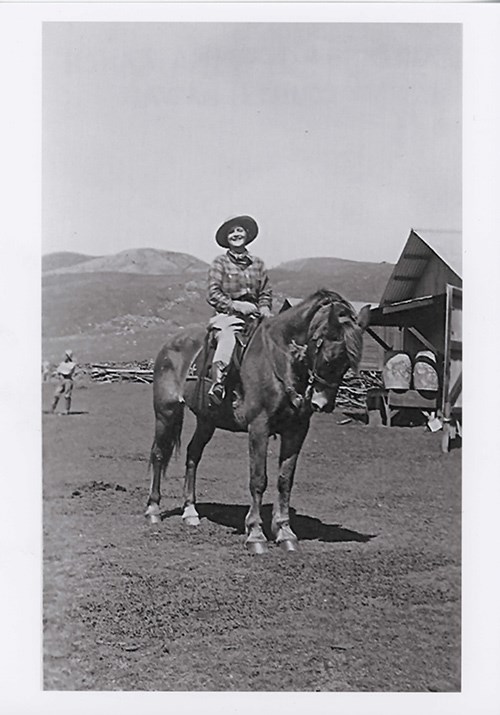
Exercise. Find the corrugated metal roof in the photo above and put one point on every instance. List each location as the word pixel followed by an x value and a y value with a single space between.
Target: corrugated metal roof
pixel 414 260
pixel 447 245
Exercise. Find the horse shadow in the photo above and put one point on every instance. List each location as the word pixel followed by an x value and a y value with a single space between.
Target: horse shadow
pixel 307 528
pixel 69 414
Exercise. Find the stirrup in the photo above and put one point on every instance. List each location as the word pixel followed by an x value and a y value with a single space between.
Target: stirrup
pixel 216 393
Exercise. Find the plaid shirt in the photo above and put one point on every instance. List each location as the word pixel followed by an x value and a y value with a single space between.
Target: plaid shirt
pixel 242 277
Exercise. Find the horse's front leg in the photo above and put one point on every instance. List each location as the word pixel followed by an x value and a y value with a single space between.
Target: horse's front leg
pixel 291 444
pixel 202 436
pixel 258 431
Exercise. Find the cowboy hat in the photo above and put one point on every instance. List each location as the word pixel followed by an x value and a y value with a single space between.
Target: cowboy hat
pixel 246 222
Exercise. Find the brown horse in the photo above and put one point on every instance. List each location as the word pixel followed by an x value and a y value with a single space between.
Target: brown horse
pixel 292 366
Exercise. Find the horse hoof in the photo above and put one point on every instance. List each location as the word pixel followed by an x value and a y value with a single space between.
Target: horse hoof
pixel 289 545
pixel 256 547
pixel 190 516
pixel 153 513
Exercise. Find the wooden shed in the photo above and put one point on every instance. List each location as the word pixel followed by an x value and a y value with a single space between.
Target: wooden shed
pixel 414 299
pixel 423 300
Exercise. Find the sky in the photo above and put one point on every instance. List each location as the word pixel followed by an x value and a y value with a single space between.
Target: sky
pixel 337 137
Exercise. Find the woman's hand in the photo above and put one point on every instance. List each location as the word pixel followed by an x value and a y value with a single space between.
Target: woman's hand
pixel 244 307
pixel 265 311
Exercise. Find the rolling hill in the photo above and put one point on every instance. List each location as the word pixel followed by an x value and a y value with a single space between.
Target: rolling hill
pixel 144 261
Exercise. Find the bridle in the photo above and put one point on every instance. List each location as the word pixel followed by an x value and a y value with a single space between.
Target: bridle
pixel 297 400
pixel 313 375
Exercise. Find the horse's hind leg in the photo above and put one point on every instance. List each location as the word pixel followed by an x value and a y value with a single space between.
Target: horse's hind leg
pixel 202 436
pixel 168 427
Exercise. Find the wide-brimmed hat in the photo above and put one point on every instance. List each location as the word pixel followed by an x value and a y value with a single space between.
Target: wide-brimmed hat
pixel 246 222
pixel 68 353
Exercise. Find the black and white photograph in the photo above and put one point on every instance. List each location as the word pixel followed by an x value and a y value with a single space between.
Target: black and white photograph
pixel 248 354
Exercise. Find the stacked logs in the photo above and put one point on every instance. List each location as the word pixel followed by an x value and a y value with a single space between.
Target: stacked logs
pixel 351 394
pixel 124 372
pixel 352 391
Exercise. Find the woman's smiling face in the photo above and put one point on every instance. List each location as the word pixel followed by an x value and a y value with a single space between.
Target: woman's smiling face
pixel 237 237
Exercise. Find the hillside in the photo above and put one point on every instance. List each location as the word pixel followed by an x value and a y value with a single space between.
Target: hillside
pixel 126 314
pixel 145 261
pixel 86 302
pixel 355 280
pixel 63 260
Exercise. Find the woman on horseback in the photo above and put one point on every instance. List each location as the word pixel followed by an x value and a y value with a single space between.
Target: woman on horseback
pixel 238 289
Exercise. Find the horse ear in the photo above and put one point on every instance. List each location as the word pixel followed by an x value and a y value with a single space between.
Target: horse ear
pixel 364 317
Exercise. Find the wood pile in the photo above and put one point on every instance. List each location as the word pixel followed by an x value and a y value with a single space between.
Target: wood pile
pixel 351 394
pixel 130 372
pixel 352 391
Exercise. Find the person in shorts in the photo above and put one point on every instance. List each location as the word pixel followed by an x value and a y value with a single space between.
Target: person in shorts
pixel 65 372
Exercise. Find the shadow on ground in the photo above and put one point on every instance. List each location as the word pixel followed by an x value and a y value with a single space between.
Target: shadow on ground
pixel 64 414
pixel 306 527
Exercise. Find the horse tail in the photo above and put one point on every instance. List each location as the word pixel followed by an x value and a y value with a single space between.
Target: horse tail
pixel 177 429
pixel 167 439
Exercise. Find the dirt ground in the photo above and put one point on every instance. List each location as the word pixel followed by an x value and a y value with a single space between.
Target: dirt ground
pixel 370 602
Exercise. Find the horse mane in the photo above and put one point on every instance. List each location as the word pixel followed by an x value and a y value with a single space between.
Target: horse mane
pixel 353 339
pixel 313 313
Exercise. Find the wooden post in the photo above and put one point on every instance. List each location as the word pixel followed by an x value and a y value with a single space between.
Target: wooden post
pixel 452 375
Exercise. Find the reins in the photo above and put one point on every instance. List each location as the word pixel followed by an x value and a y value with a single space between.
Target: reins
pixel 313 375
pixel 296 399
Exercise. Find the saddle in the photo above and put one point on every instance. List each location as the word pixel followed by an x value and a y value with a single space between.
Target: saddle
pixel 200 368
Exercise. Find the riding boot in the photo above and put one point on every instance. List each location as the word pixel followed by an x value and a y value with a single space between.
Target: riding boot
pixel 217 390
pixel 68 404
pixel 54 404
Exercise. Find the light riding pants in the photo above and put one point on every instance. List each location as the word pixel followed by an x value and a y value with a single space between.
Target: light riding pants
pixel 225 328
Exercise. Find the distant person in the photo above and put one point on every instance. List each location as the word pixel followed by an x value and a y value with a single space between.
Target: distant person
pixel 65 371
pixel 238 289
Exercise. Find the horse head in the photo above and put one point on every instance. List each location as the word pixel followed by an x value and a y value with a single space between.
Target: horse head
pixel 334 344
